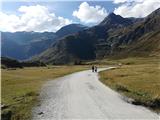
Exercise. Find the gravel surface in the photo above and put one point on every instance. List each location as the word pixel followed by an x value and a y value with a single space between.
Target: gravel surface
pixel 81 96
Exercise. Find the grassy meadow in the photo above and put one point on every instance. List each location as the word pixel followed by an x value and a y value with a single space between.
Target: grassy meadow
pixel 137 78
pixel 20 88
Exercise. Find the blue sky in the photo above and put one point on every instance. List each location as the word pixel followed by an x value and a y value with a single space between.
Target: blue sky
pixel 46 15
pixel 62 8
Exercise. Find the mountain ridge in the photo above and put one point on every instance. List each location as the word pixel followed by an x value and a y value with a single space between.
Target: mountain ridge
pixel 27 44
pixel 106 39
pixel 70 29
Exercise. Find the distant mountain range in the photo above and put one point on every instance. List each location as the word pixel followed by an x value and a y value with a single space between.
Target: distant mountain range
pixel 114 36
pixel 24 45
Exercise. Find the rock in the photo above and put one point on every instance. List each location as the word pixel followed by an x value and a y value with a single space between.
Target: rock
pixel 3 106
pixel 40 113
pixel 6 115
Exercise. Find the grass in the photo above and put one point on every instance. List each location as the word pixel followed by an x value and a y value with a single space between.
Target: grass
pixel 20 88
pixel 137 78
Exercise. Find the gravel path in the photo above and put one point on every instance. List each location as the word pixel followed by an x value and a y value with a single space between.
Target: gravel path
pixel 81 96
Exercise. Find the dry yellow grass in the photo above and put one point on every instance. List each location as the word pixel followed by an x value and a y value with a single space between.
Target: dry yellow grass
pixel 20 88
pixel 140 80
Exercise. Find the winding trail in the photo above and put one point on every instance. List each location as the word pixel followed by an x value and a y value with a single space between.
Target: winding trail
pixel 81 96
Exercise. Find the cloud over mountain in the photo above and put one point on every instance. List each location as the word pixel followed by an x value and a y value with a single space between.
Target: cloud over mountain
pixel 32 18
pixel 136 8
pixel 90 14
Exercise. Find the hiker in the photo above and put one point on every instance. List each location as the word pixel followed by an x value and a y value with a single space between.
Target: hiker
pixel 92 68
pixel 95 68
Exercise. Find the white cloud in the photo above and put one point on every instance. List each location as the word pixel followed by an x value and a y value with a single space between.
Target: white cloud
pixel 32 18
pixel 136 8
pixel 119 1
pixel 90 14
pixel 123 1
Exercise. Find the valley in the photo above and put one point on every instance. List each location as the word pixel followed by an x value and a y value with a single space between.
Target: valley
pixel 58 66
pixel 24 45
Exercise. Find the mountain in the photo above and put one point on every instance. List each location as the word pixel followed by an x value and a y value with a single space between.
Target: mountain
pixel 127 39
pixel 27 37
pixel 148 43
pixel 70 29
pixel 113 36
pixel 144 37
pixel 23 45
pixel 12 63
pixel 78 46
pixel 116 20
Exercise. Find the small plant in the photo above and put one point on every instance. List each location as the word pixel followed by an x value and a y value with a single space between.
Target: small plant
pixel 155 102
pixel 122 88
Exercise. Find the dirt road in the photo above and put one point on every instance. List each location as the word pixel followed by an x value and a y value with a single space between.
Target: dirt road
pixel 81 96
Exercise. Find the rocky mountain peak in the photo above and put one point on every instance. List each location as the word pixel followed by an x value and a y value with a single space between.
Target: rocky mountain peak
pixel 113 19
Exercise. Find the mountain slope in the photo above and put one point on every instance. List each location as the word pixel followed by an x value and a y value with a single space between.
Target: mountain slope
pixel 116 20
pixel 148 44
pixel 23 45
pixel 82 45
pixel 12 49
pixel 70 29
pixel 23 38
pixel 112 36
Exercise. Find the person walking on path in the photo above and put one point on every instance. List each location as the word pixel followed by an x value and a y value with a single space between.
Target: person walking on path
pixel 93 68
